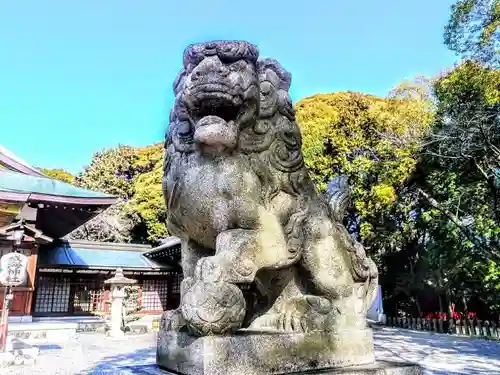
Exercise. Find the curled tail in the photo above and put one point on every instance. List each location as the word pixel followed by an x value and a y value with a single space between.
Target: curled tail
pixel 338 196
pixel 363 269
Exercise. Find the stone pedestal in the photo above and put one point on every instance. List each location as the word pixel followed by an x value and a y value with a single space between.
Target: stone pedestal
pixel 117 296
pixel 248 353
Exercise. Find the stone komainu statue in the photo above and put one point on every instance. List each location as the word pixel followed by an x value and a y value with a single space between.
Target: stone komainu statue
pixel 241 200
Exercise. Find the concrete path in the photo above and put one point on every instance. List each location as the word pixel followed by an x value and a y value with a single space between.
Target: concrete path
pixel 439 354
pixel 95 354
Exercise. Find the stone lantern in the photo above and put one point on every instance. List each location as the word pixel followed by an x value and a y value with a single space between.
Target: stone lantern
pixel 118 283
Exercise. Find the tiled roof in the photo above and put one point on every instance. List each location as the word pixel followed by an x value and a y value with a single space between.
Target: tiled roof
pixel 22 183
pixel 92 256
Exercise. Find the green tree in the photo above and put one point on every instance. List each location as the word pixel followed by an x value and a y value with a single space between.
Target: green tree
pixel 465 147
pixel 473 30
pixel 148 202
pixel 59 174
pixel 111 171
pixel 457 181
pixel 374 141
pixel 134 174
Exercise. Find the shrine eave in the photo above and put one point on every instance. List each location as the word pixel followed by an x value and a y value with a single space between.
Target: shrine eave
pixel 13 163
pixel 19 187
pixel 12 196
pixel 169 252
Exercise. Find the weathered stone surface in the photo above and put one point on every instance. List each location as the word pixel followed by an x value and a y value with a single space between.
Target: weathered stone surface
pixel 241 200
pixel 252 353
pixel 247 353
pixel 378 368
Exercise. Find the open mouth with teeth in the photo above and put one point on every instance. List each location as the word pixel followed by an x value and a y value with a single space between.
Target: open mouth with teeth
pixel 213 100
pixel 219 106
pixel 214 111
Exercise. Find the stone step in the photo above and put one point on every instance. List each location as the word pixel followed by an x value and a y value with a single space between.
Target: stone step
pixel 84 324
pixel 50 331
pixel 91 326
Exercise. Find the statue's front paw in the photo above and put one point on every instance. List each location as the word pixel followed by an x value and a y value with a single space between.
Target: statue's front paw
pixel 287 321
pixel 225 268
pixel 209 270
pixel 172 320
pixel 298 314
pixel 319 305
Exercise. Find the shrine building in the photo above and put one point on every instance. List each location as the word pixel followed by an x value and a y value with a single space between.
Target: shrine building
pixel 66 278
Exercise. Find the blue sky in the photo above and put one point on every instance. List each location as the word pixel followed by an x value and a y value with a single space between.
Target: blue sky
pixel 76 77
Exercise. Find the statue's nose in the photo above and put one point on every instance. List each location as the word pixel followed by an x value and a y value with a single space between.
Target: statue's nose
pixel 209 66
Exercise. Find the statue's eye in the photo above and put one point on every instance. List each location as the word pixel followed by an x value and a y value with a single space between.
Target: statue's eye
pixel 266 88
pixel 183 115
pixel 184 128
pixel 237 65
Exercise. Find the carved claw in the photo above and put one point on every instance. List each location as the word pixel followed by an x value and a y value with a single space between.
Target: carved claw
pixel 319 304
pixel 299 314
pixel 304 313
pixel 292 321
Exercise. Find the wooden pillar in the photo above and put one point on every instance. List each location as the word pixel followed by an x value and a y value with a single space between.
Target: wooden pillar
pixel 170 299
pixel 32 279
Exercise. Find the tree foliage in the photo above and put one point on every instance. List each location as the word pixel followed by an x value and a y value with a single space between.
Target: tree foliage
pixel 374 141
pixel 59 174
pixel 473 30
pixel 112 225
pixel 467 139
pixel 134 174
pixel 423 164
pixel 460 182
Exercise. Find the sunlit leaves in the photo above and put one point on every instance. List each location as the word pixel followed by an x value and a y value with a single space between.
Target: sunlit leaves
pixel 59 174
pixel 473 30
pixel 134 174
pixel 374 141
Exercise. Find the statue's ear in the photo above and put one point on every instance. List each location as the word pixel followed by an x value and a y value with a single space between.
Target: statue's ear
pixel 284 76
pixel 285 106
pixel 178 85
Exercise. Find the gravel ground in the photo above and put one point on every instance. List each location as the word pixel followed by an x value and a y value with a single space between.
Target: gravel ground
pixel 135 355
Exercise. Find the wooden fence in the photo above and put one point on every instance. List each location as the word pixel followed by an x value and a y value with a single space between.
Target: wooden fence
pixel 464 327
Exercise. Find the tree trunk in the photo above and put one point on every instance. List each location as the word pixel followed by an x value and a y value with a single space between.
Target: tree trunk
pixel 448 302
pixel 419 310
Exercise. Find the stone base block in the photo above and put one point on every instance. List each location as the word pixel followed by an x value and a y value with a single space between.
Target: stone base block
pixel 378 368
pixel 247 353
